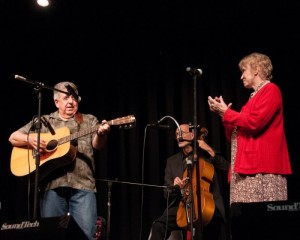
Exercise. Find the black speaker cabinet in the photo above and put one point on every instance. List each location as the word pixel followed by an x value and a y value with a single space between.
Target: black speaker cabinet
pixel 56 228
pixel 265 221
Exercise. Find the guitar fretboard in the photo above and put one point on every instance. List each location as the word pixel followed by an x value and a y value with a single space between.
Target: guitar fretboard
pixel 77 135
pixel 117 121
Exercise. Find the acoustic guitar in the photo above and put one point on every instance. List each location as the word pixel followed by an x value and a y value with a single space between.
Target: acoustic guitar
pixel 59 151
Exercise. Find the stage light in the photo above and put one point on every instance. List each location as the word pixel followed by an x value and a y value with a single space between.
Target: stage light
pixel 43 3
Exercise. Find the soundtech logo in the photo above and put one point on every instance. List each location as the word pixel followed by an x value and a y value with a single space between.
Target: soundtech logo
pixel 21 225
pixel 283 207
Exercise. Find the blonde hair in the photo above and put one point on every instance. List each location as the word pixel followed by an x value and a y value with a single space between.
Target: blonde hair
pixel 260 61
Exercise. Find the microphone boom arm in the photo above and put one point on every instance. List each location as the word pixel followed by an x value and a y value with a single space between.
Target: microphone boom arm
pixel 177 124
pixel 38 84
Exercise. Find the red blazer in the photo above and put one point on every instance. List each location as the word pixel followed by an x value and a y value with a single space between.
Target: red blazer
pixel 261 141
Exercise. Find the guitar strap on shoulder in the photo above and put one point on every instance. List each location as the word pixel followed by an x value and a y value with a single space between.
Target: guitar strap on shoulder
pixel 78 118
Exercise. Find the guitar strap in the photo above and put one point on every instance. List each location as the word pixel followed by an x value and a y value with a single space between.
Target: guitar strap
pixel 78 118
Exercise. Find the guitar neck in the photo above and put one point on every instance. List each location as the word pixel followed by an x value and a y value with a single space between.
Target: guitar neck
pixel 77 135
pixel 118 121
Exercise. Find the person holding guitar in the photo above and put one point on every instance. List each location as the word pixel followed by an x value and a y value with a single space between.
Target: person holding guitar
pixel 71 187
pixel 176 183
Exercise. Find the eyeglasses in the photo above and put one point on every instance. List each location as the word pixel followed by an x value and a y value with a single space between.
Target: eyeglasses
pixel 183 133
pixel 66 98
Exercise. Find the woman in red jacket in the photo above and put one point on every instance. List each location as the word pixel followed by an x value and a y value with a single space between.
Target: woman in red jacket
pixel 259 154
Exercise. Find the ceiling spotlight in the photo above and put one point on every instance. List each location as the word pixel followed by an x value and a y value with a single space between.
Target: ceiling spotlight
pixel 43 3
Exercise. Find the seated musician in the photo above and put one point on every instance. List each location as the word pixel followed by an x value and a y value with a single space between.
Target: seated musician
pixel 216 228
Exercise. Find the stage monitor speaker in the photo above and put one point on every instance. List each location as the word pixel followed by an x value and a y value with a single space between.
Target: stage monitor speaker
pixel 56 228
pixel 265 221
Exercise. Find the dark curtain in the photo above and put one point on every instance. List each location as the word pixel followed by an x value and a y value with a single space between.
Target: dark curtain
pixel 131 58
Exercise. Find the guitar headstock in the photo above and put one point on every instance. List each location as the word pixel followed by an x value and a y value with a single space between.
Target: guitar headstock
pixel 123 122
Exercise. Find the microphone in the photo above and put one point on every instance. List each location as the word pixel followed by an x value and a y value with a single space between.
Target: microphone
pixel 194 71
pixel 20 78
pixel 39 84
pixel 72 92
pixel 159 126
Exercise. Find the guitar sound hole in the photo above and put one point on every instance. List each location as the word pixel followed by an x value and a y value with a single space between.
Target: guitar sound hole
pixel 51 145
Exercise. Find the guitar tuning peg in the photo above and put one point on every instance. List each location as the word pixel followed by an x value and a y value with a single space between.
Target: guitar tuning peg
pixel 128 126
pixel 132 125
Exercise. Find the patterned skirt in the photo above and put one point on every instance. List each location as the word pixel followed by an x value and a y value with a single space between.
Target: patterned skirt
pixel 259 187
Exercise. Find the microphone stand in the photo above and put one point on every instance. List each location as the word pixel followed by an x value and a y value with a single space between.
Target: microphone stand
pixel 190 164
pixel 38 88
pixel 109 184
pixel 198 234
pixel 139 184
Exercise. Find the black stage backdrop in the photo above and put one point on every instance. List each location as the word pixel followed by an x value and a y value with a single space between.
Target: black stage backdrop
pixel 131 58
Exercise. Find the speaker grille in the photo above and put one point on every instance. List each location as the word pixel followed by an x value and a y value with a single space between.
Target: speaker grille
pixel 56 228
pixel 265 221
